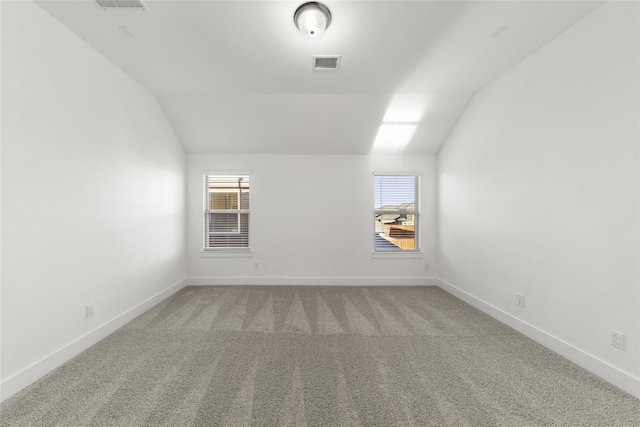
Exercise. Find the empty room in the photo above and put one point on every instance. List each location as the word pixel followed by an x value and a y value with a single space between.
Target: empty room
pixel 347 213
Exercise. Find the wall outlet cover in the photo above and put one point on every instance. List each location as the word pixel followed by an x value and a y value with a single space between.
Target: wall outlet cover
pixel 617 339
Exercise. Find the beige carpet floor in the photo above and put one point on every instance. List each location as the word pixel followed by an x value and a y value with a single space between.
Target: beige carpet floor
pixel 318 356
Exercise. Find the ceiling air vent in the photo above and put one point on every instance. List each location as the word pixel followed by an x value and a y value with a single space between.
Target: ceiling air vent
pixel 121 4
pixel 326 63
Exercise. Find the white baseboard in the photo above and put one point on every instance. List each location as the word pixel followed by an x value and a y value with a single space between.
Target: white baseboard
pixel 314 281
pixel 602 369
pixel 37 370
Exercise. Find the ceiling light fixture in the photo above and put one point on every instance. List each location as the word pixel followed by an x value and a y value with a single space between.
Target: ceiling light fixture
pixel 312 18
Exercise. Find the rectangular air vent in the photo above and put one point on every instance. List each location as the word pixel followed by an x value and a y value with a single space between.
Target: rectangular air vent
pixel 121 4
pixel 326 63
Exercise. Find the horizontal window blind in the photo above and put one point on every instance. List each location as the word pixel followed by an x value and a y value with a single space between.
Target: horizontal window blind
pixel 226 212
pixel 396 213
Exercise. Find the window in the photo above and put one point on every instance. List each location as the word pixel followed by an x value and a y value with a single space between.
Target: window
pixel 396 213
pixel 226 216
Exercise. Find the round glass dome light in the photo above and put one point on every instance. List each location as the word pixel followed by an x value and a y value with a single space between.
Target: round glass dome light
pixel 312 18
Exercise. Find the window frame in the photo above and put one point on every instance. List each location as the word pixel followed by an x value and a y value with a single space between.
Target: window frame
pixel 380 252
pixel 207 212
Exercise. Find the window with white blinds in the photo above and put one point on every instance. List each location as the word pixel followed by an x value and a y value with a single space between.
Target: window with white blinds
pixel 226 214
pixel 396 213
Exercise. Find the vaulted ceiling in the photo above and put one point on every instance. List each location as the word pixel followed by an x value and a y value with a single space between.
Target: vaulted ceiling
pixel 237 76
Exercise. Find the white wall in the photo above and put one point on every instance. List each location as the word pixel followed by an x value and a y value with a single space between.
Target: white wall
pixel 93 203
pixel 311 221
pixel 539 195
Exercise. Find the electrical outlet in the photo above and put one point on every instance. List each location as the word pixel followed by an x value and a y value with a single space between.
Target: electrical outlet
pixel 426 266
pixel 256 265
pixel 617 339
pixel 89 310
pixel 520 300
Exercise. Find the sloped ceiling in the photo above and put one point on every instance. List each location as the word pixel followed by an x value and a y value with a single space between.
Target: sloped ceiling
pixel 237 77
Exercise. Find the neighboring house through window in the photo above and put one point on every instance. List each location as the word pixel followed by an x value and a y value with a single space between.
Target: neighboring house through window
pixel 396 212
pixel 226 222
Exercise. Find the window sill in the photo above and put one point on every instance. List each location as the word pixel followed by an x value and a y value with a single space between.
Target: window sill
pixel 397 255
pixel 226 254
